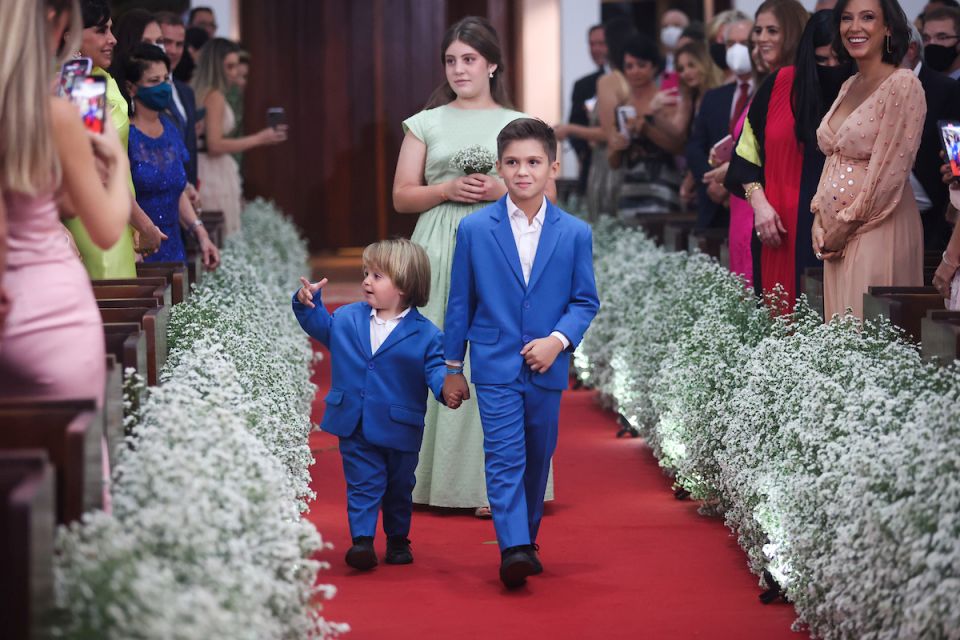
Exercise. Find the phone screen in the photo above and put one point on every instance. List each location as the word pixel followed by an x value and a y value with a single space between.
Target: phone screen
pixel 90 95
pixel 950 137
pixel 70 71
pixel 276 116
pixel 625 112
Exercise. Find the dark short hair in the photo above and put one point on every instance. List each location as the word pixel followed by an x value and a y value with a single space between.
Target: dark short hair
pixel 528 129
pixel 96 13
pixel 196 10
pixel 895 20
pixel 169 18
pixel 594 28
pixel 940 4
pixel 642 48
pixel 131 67
pixel 944 13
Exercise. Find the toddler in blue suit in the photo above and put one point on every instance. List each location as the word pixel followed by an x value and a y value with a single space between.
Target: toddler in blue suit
pixel 385 357
pixel 522 293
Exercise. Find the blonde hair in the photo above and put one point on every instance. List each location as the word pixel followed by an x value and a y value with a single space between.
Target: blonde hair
pixel 209 75
pixel 712 74
pixel 406 263
pixel 28 155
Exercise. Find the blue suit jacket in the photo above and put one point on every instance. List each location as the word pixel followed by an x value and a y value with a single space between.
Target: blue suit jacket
pixel 709 127
pixel 492 308
pixel 386 390
pixel 189 130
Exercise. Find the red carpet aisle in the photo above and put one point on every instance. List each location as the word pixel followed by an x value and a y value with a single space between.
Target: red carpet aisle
pixel 622 557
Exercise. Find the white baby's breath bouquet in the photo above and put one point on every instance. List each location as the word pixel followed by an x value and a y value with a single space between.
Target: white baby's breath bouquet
pixel 475 159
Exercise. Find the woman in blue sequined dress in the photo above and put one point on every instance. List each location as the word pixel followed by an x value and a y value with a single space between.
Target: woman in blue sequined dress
pixel 157 156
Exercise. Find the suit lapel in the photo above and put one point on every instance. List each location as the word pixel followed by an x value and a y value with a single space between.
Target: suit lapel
pixel 549 236
pixel 408 326
pixel 503 234
pixel 362 320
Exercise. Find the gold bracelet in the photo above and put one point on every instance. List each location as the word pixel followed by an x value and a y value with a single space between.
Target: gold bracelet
pixel 750 189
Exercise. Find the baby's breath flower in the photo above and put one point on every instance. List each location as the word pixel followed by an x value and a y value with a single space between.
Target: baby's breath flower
pixel 475 159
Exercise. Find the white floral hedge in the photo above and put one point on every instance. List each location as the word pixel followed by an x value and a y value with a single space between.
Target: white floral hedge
pixel 832 451
pixel 206 538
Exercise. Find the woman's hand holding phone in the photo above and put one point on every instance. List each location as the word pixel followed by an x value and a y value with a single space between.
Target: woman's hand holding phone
pixel 273 135
pixel 108 152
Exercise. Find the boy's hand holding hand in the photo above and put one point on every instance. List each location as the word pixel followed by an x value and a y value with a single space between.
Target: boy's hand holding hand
pixel 306 292
pixel 541 353
pixel 455 390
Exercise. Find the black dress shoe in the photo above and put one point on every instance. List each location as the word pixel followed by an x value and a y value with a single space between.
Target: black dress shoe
pixel 398 551
pixel 535 556
pixel 361 555
pixel 516 563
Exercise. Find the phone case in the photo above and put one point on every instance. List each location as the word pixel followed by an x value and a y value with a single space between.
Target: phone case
pixel 950 139
pixel 723 150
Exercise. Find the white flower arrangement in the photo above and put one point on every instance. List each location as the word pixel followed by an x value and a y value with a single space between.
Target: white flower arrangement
pixel 475 159
pixel 832 451
pixel 206 538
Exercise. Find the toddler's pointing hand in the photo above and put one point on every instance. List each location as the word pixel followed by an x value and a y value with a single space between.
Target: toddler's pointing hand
pixel 306 292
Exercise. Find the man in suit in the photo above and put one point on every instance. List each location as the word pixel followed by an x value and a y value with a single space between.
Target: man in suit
pixel 719 112
pixel 522 294
pixel 584 91
pixel 184 106
pixel 943 103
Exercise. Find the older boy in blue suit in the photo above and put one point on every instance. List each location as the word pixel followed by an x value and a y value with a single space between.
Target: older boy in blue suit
pixel 522 293
pixel 385 356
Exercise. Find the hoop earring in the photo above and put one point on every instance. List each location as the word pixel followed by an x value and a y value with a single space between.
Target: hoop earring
pixel 889 50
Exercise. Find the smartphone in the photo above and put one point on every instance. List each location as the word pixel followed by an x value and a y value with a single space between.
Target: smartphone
pixel 89 93
pixel 723 150
pixel 70 71
pixel 625 112
pixel 950 138
pixel 276 116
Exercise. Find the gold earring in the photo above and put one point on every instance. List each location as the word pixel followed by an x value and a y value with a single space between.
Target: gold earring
pixel 888 44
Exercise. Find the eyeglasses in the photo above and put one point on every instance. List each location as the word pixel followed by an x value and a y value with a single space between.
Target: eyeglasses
pixel 939 38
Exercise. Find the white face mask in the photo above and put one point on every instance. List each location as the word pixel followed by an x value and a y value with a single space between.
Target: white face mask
pixel 669 36
pixel 738 59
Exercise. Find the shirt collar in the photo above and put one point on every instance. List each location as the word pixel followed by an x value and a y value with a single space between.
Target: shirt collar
pixel 376 318
pixel 516 213
pixel 916 69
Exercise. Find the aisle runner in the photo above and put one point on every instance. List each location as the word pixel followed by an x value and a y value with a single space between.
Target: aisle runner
pixel 622 557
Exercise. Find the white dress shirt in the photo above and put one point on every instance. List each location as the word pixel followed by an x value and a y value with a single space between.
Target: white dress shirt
pixel 526 234
pixel 176 101
pixel 381 329
pixel 919 193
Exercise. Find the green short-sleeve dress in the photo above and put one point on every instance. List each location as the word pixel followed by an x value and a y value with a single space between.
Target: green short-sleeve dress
pixel 450 473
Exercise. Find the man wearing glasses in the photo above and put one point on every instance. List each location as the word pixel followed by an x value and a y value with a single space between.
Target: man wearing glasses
pixel 941 39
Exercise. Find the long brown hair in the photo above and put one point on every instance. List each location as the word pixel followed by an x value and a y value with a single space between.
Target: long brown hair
pixel 478 33
pixel 792 18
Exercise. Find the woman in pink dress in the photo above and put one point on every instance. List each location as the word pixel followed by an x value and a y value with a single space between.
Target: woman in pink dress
pixel 867 226
pixel 52 343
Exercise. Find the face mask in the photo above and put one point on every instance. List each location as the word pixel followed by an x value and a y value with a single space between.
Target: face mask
pixel 939 57
pixel 156 97
pixel 831 79
pixel 719 54
pixel 738 59
pixel 669 36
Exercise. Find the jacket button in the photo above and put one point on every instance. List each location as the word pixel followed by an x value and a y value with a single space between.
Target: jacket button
pixel 370 366
pixel 525 338
pixel 526 304
pixel 361 393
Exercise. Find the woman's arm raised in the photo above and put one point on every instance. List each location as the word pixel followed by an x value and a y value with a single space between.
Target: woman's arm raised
pixel 103 209
pixel 218 145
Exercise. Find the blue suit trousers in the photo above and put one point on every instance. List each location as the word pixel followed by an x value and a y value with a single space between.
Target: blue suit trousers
pixel 377 477
pixel 520 424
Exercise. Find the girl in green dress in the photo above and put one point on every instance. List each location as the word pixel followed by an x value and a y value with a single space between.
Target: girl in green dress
pixel 468 109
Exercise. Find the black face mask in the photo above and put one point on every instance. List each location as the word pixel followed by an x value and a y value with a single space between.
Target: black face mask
pixel 939 57
pixel 831 79
pixel 718 51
